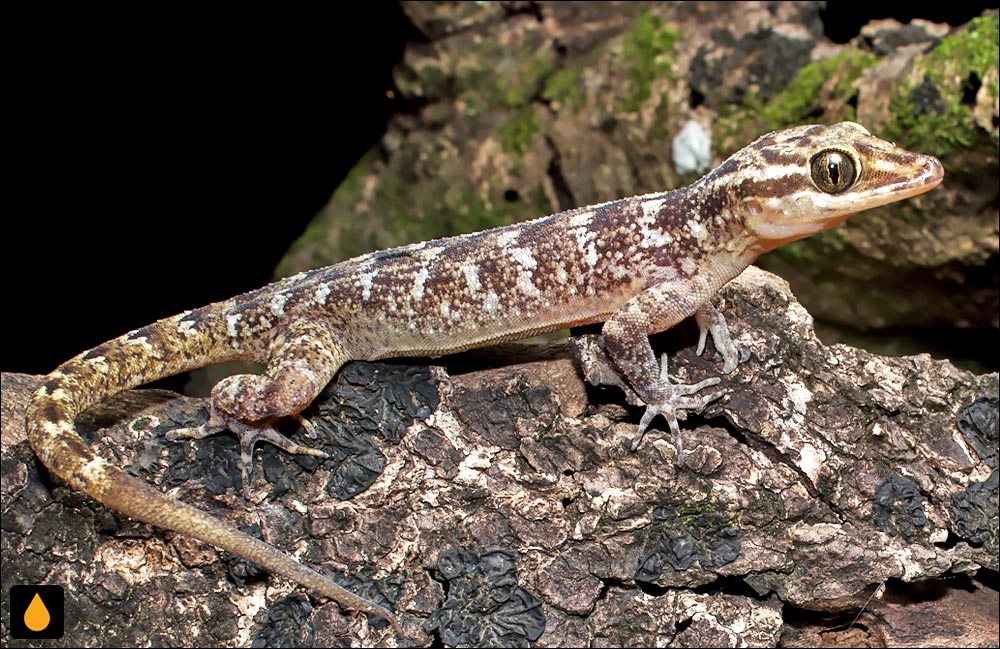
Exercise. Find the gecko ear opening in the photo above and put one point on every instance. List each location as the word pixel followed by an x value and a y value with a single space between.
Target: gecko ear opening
pixel 755 207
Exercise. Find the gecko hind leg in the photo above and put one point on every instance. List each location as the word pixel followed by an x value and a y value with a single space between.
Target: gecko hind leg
pixel 677 400
pixel 304 356
pixel 248 435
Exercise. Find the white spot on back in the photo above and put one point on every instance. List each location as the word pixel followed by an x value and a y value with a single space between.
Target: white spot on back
pixel 141 340
pixel 689 266
pixel 581 219
pixel 526 284
pixel 585 243
pixel 471 272
pixel 322 292
pixel 523 257
pixel 418 284
pixel 507 237
pixel 491 302
pixel 651 206
pixel 431 252
pixel 643 197
pixel 186 327
pixel 618 271
pixel 232 321
pixel 655 238
pixel 446 309
pixel 365 261
pixel 366 280
pixel 98 360
pixel 697 229
pixel 278 304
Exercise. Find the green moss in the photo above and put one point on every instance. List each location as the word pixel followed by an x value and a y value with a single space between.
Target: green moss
pixel 515 135
pixel 658 129
pixel 696 508
pixel 974 47
pixel 491 76
pixel 521 84
pixel 566 86
pixel 463 210
pixel 646 54
pixel 822 91
pixel 474 83
pixel 799 103
pixel 931 111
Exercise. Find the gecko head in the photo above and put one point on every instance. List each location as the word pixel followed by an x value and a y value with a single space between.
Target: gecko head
pixel 805 179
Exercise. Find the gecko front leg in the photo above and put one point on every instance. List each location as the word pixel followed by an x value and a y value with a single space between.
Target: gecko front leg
pixel 303 357
pixel 625 336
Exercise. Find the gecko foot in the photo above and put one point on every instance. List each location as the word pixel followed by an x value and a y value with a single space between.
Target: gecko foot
pixel 249 435
pixel 677 400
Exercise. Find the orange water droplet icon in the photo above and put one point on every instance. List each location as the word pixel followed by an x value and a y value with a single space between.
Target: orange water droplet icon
pixel 37 617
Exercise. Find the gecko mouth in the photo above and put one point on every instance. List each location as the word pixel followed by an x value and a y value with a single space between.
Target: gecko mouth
pixel 931 175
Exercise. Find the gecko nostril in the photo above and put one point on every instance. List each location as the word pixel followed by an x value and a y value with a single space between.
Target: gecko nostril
pixel 933 170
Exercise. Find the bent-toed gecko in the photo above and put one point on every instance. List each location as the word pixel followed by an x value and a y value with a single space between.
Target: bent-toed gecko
pixel 640 265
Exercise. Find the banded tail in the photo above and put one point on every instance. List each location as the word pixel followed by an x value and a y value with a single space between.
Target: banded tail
pixel 164 348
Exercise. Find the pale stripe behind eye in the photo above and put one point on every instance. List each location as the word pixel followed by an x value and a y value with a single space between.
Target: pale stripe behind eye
pixel 781 171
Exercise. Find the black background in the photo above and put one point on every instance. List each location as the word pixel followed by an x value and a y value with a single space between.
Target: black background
pixel 164 162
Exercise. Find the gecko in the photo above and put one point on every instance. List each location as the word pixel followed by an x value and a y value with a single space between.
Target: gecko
pixel 639 265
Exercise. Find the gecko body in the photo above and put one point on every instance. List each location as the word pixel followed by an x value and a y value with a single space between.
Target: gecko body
pixel 640 265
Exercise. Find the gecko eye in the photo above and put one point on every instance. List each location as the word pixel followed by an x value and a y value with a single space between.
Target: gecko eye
pixel 833 171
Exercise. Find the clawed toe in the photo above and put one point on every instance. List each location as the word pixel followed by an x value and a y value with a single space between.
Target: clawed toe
pixel 677 399
pixel 248 435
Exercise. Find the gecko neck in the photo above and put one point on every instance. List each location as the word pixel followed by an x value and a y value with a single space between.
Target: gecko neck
pixel 707 223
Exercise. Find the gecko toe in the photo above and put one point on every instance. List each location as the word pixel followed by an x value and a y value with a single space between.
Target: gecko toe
pixel 674 402
pixel 249 435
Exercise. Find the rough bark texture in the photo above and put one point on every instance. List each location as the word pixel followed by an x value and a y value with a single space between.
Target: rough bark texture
pixel 494 498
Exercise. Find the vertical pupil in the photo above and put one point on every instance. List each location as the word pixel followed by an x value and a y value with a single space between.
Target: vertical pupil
pixel 833 168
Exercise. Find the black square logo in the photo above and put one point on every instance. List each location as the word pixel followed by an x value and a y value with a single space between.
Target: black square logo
pixel 36 612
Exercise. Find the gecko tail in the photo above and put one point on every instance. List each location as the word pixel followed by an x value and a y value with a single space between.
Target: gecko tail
pixel 176 344
pixel 164 348
pixel 138 500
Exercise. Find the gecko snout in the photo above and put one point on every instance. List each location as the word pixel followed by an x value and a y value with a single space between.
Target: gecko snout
pixel 932 172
